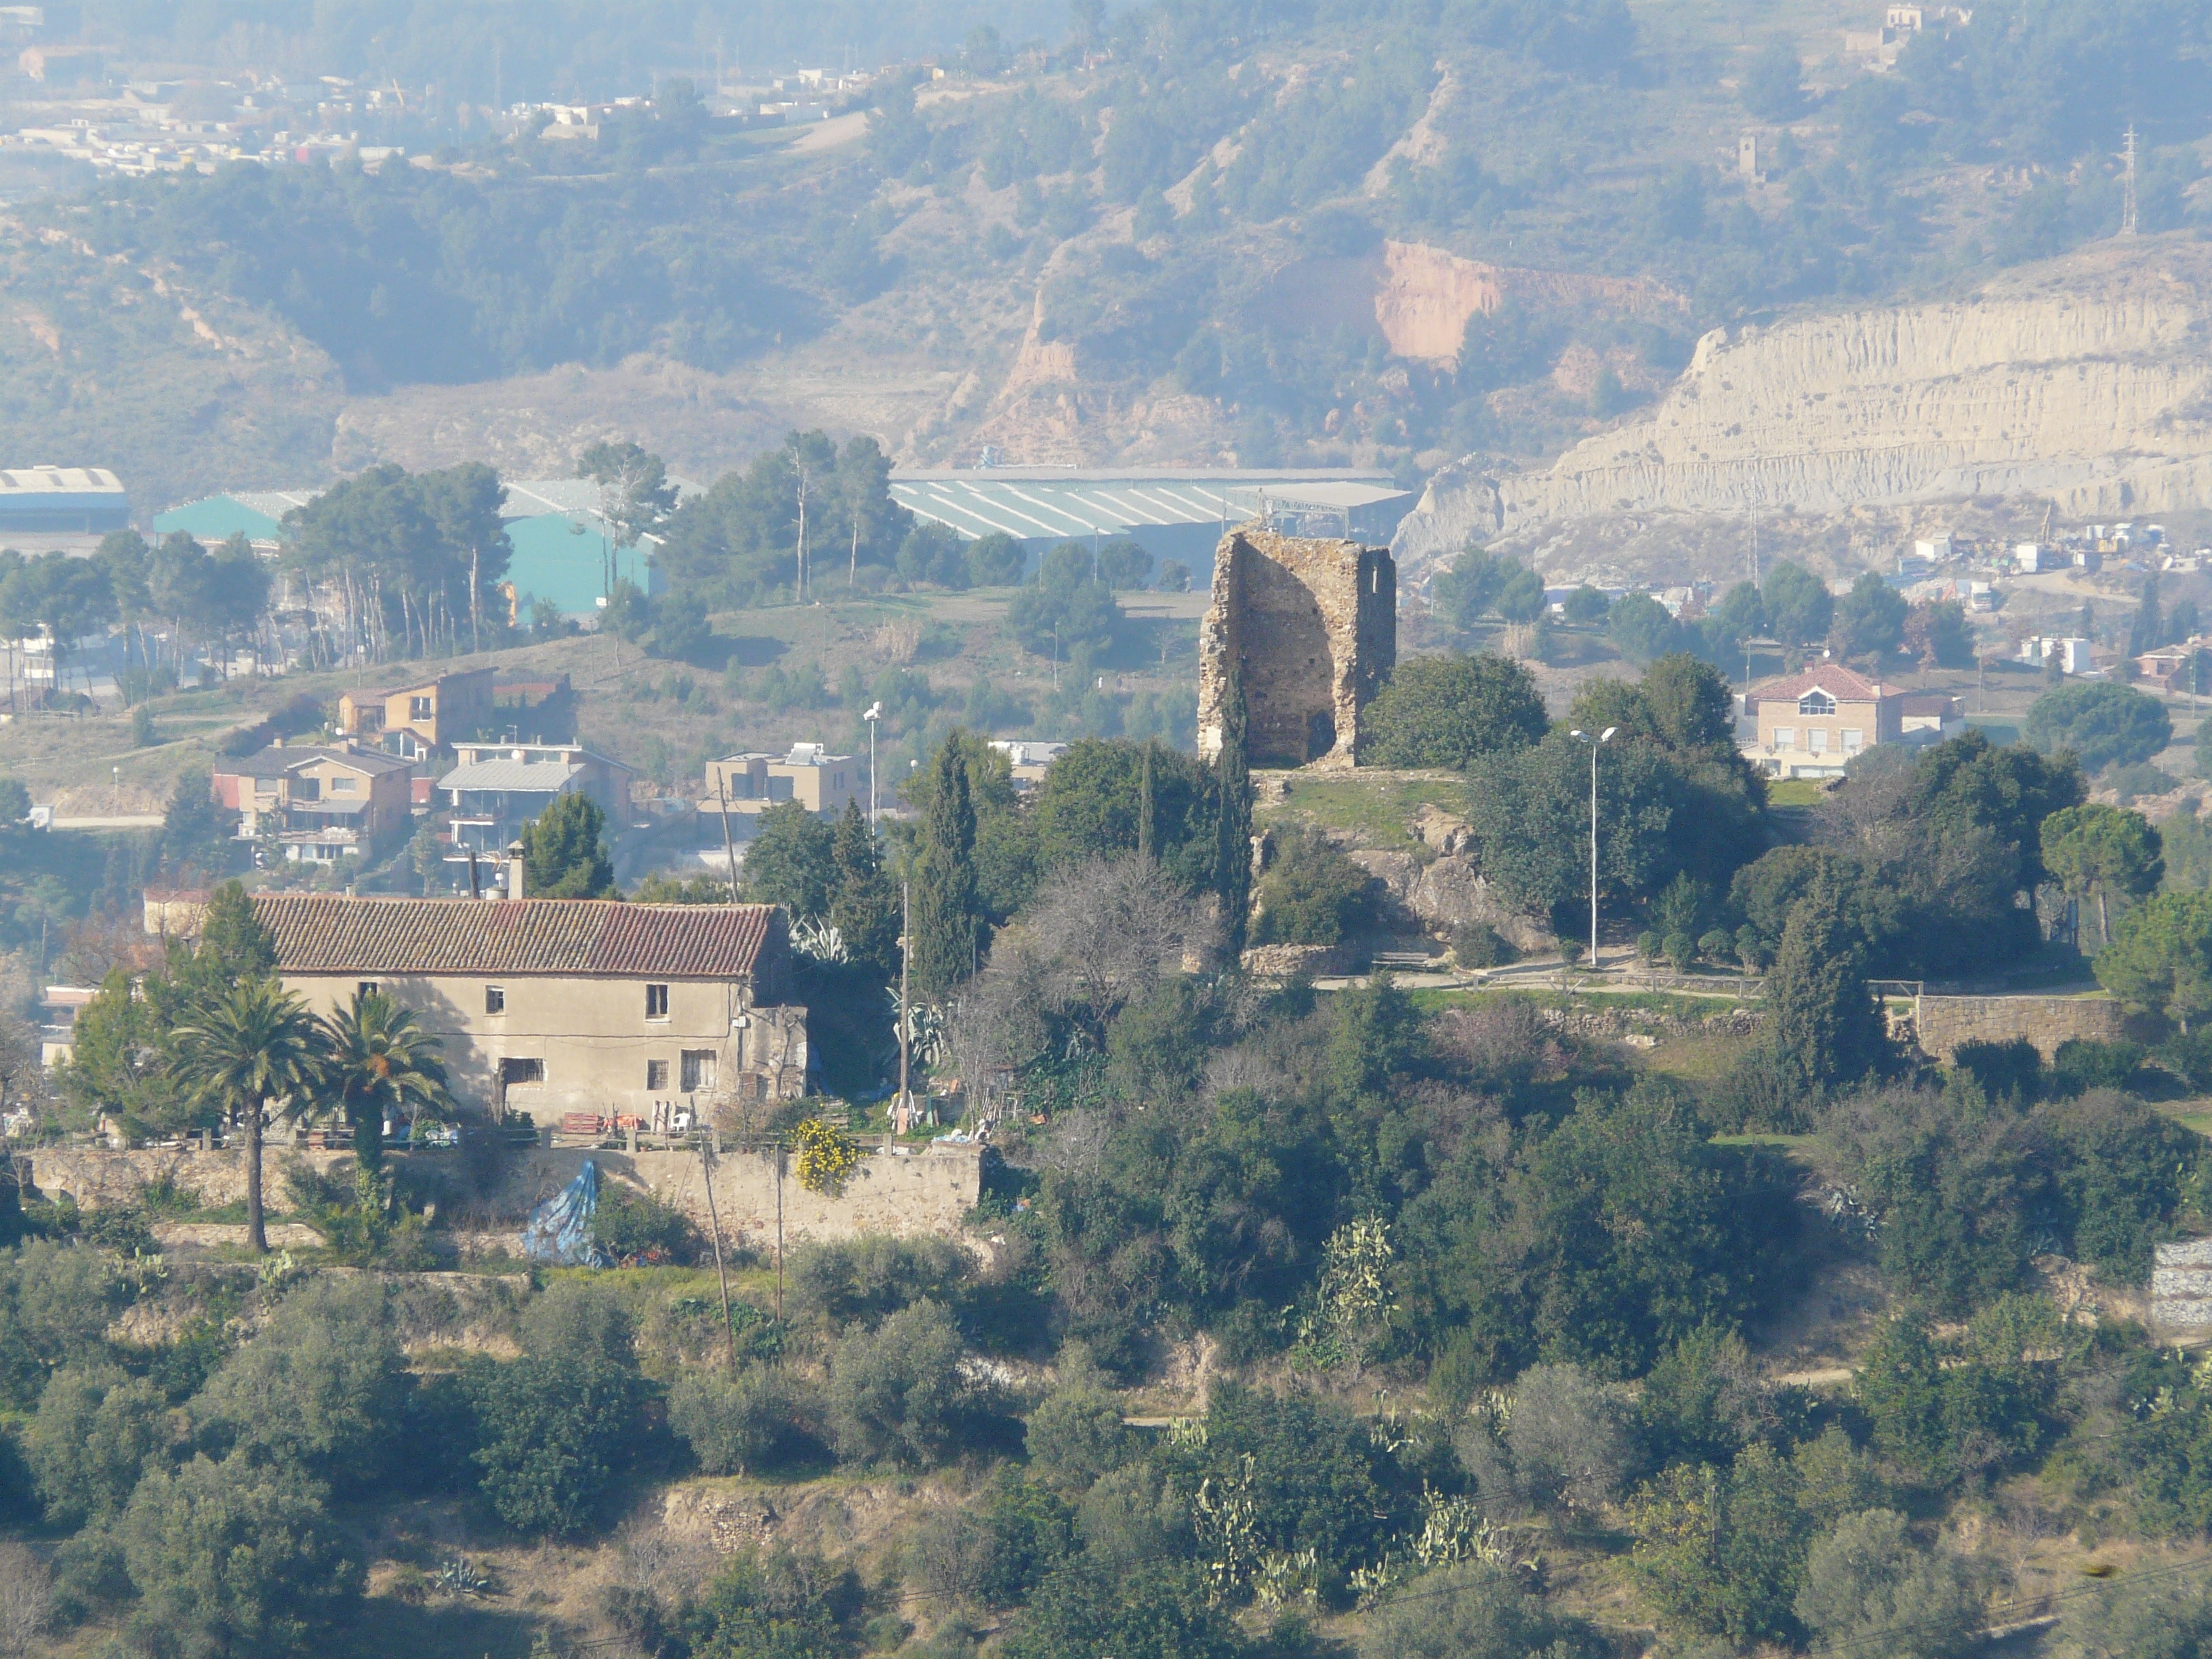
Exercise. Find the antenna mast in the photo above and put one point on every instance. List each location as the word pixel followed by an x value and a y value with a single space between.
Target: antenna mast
pixel 2127 185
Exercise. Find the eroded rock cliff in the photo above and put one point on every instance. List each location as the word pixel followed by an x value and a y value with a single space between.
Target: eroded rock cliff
pixel 2084 383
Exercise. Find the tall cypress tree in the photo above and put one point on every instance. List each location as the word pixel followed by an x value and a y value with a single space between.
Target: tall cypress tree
pixel 948 913
pixel 1824 1026
pixel 1147 843
pixel 1232 863
pixel 866 906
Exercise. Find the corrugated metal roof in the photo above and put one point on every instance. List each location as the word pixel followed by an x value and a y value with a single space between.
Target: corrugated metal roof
pixel 59 481
pixel 543 776
pixel 1031 503
pixel 328 933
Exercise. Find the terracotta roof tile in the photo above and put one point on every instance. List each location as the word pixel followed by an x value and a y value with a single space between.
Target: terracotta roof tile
pixel 329 933
pixel 1837 682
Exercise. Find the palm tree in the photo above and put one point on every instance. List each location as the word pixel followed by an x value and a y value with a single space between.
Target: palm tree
pixel 379 1056
pixel 253 1044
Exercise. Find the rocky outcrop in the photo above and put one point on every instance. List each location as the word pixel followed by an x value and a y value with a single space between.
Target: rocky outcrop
pixel 1440 895
pixel 2085 383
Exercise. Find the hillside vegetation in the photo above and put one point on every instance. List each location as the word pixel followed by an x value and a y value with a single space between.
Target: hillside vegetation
pixel 1165 237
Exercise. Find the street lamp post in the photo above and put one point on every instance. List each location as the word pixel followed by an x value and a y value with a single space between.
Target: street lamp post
pixel 875 713
pixel 1595 743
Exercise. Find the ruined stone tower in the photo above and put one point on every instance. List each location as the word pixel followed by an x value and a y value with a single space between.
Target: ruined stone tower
pixel 1314 625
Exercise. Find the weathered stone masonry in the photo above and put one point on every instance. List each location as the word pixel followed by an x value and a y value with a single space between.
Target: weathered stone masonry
pixel 1313 626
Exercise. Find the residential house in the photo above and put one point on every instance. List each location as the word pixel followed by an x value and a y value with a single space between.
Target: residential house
pixel 2074 654
pixel 550 1007
pixel 2169 668
pixel 1810 723
pixel 1930 717
pixel 60 1007
pixel 743 786
pixel 318 804
pixel 1030 759
pixel 423 718
pixel 494 788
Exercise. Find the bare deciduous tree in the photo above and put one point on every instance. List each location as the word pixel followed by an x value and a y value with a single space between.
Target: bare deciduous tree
pixel 27 1599
pixel 1105 932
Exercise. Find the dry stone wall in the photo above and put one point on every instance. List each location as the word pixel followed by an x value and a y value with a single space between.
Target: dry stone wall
pixel 1313 626
pixel 1943 1023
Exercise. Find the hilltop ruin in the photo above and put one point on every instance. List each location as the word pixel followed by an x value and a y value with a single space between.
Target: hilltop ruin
pixel 1312 625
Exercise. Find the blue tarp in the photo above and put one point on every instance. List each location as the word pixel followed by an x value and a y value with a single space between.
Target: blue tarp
pixel 559 1231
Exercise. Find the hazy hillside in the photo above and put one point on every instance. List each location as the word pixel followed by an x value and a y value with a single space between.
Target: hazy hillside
pixel 1190 233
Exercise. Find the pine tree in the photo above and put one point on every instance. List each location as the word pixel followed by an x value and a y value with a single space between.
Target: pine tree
pixel 1824 1026
pixel 1232 866
pixel 948 916
pixel 563 855
pixel 866 907
pixel 234 946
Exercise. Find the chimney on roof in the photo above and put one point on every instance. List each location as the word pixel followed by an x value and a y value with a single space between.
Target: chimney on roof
pixel 514 861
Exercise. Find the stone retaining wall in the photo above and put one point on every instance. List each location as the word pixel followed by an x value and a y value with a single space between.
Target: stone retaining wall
pixel 1943 1023
pixel 926 1190
pixel 94 1177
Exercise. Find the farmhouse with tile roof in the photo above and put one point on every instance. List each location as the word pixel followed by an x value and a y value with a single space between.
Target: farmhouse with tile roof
pixel 555 1006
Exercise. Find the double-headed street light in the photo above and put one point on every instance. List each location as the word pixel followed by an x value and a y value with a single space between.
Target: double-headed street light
pixel 875 712
pixel 1595 743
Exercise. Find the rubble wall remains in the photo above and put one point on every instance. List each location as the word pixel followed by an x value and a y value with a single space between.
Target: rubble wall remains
pixel 1313 628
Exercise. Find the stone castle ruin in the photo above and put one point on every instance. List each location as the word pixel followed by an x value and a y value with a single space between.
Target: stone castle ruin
pixel 1313 627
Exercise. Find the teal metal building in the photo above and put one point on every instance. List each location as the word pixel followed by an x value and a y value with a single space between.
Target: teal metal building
pixel 562 551
pixel 1173 514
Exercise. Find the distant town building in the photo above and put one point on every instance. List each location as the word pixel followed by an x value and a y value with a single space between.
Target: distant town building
pixel 319 806
pixel 423 716
pixel 745 786
pixel 2169 668
pixel 78 500
pixel 1930 715
pixel 495 788
pixel 1809 724
pixel 1030 759
pixel 2074 654
pixel 1173 514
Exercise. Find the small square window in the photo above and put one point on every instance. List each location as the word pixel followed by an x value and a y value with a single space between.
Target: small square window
pixel 698 1069
pixel 514 1074
pixel 656 1074
pixel 495 999
pixel 656 1002
pixel 418 709
pixel 368 987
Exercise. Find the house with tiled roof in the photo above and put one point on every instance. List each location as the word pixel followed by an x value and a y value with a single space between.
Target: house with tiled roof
pixel 1810 723
pixel 565 1006
pixel 317 804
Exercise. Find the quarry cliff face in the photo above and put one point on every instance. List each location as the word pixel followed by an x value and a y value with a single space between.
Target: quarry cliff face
pixel 2084 383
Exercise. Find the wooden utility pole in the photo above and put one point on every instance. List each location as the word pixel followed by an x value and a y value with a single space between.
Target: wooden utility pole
pixel 798 591
pixel 714 1221
pixel 778 1150
pixel 729 846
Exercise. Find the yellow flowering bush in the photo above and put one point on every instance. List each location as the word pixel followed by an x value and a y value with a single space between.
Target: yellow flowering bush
pixel 827 1156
